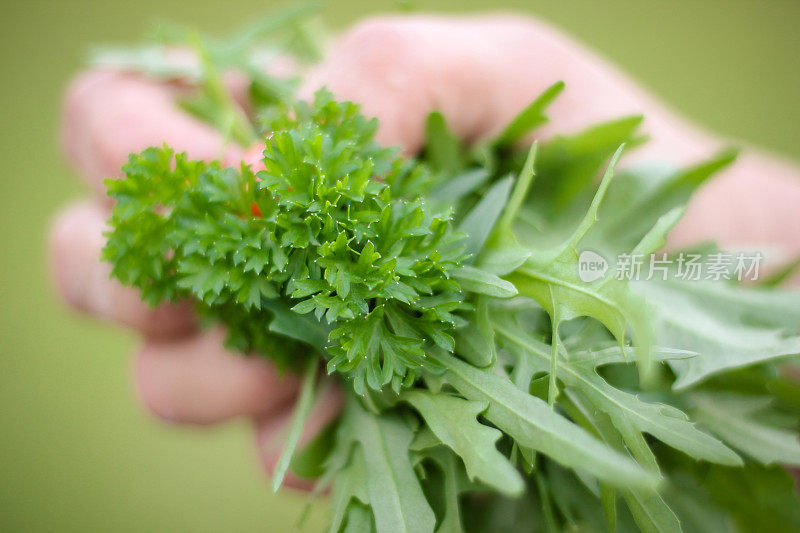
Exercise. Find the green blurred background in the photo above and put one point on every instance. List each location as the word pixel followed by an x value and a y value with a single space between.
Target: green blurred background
pixel 76 451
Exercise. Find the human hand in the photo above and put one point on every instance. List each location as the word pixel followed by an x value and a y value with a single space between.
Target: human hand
pixel 479 72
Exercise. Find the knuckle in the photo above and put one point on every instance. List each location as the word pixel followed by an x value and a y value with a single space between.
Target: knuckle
pixel 374 43
pixel 376 31
pixel 80 89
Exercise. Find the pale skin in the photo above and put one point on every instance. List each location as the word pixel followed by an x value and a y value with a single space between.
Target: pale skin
pixel 479 72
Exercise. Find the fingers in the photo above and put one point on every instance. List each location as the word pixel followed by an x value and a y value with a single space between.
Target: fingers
pixel 108 115
pixel 196 380
pixel 84 281
pixel 181 378
pixel 480 72
pixel 752 207
pixel 270 432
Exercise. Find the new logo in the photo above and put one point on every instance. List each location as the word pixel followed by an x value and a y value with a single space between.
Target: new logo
pixel 591 266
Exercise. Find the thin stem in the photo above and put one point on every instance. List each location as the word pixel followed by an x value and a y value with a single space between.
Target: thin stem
pixel 305 401
pixel 591 215
pixel 520 191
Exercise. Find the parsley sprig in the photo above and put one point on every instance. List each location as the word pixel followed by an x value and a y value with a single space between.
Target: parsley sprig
pixel 314 233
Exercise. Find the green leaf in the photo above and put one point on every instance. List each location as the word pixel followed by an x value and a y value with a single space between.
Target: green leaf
pixel 349 485
pixel 758 498
pixel 571 163
pixel 394 492
pixel 503 261
pixel 475 342
pixel 529 118
pixel 782 274
pixel 656 238
pixel 648 508
pixel 419 320
pixel 479 222
pixel 309 461
pixel 453 190
pixel 451 469
pixel 443 149
pixel 359 519
pixel 693 505
pixel 533 424
pixel 482 282
pixel 515 201
pixel 625 410
pixel 703 318
pixel 453 421
pixel 735 421
pixel 551 278
pixel 301 327
pixel 651 513
pixel 630 218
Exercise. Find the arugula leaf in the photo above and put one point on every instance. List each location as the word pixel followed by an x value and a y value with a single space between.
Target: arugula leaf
pixel 631 216
pixel 451 521
pixel 551 278
pixel 482 282
pixel 453 421
pixel 349 489
pixel 572 162
pixel 727 338
pixel 394 492
pixel 758 498
pixel 529 118
pixel 648 508
pixel 734 420
pixel 359 519
pixel 477 344
pixel 531 423
pixel 625 410
pixel 443 150
pixel 478 223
